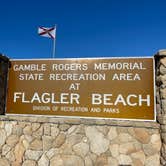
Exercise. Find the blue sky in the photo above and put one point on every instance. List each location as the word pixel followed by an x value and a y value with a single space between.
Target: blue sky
pixel 85 28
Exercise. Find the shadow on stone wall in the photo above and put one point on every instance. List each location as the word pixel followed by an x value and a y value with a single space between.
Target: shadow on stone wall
pixel 4 66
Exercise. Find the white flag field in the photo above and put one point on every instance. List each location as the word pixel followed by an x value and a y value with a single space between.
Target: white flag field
pixel 47 32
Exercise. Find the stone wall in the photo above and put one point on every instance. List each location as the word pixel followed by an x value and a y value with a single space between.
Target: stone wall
pixel 160 59
pixel 4 65
pixel 46 141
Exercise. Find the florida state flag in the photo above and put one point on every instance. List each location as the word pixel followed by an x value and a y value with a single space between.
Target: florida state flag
pixel 47 32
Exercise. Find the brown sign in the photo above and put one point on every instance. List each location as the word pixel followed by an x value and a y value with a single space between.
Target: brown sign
pixel 104 88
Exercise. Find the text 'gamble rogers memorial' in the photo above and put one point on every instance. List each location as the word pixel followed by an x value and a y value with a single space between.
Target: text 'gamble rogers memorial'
pixel 79 67
pixel 106 88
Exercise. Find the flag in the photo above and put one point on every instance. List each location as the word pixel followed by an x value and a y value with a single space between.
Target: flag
pixel 47 32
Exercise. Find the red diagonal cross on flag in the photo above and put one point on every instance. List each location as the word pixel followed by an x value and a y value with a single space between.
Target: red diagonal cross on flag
pixel 47 32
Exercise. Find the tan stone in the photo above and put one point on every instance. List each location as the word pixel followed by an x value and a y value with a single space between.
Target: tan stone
pixel 56 161
pixel 66 149
pixel 137 162
pixel 112 134
pixel 127 148
pixel 101 160
pixel 139 155
pixel 153 160
pixel 72 160
pixel 36 145
pixel 19 152
pixel 27 130
pixel 29 163
pixel 156 141
pixel 124 138
pixel 81 149
pixel 4 162
pixel 12 140
pixel 59 141
pixel 142 135
pixel 114 149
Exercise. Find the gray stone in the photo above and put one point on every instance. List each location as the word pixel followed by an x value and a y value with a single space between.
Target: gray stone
pixel 10 156
pixel 5 149
pixel 112 134
pixel 81 149
pixel 43 161
pixel 54 131
pixel 98 143
pixel 74 139
pixel 8 129
pixel 114 149
pixel 64 127
pixel 124 159
pixel 88 161
pixel 52 152
pixel 47 142
pixel 2 137
pixel 17 130
pixel 112 161
pixel 47 129
pixel 38 133
pixel 149 149
pixel 29 163
pixel 35 126
pixel 33 155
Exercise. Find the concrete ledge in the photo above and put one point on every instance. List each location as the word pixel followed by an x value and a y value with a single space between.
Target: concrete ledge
pixel 78 121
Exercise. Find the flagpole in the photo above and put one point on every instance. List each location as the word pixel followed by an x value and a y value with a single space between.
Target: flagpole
pixel 54 42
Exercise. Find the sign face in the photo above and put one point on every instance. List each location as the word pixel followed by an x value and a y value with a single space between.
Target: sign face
pixel 119 88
